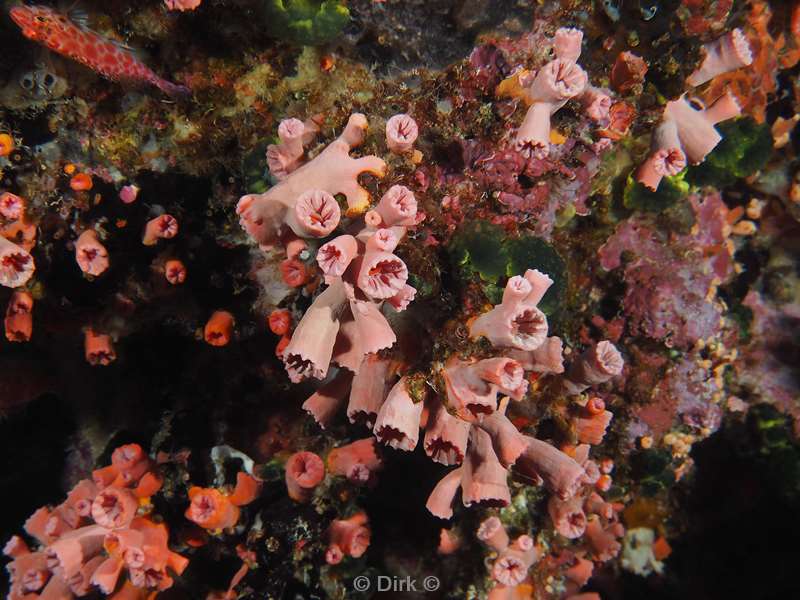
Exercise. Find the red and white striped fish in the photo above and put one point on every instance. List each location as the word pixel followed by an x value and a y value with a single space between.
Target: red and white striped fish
pixel 71 37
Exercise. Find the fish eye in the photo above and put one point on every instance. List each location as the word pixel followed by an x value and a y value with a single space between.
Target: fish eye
pixel 49 80
pixel 40 19
pixel 26 82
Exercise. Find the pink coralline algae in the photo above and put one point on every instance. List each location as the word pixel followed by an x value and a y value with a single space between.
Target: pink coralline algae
pixel 302 202
pixel 100 538
pixel 764 368
pixel 673 305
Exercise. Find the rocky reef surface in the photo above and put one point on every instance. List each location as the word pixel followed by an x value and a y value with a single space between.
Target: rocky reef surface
pixel 390 298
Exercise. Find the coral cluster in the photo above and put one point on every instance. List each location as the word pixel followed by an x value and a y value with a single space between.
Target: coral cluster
pixel 103 536
pixel 337 290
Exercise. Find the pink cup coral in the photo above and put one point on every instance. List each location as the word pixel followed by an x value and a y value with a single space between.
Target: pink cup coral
pixel 548 90
pixel 19 317
pixel 90 254
pixel 16 264
pixel 267 216
pixel 163 227
pixel 96 538
pixel 401 133
pixel 728 53
pixel 304 472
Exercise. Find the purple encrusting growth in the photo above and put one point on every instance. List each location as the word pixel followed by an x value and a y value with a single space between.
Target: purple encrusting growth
pixel 673 304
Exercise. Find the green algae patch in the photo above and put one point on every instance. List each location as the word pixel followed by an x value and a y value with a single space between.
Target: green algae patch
pixel 653 469
pixel 306 22
pixel 254 170
pixel 479 249
pixel 528 252
pixel 745 148
pixel 639 197
pixel 775 449
pixel 484 249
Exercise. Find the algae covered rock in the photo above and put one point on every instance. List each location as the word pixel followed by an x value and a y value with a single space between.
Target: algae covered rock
pixel 306 22
pixel 745 148
pixel 485 249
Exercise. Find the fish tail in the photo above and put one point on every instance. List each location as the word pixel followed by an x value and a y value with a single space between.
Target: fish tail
pixel 172 89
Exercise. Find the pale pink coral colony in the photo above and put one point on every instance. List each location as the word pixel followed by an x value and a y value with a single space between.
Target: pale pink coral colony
pixel 687 134
pixel 548 91
pixel 345 327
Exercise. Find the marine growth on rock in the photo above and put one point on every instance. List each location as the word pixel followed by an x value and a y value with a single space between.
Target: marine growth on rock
pixel 325 299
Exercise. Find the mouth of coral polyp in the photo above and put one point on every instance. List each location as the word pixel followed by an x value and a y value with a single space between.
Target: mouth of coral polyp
pixel 111 506
pixel 511 373
pixel 298 364
pixel 528 324
pixel 102 357
pixel 440 446
pixel 386 270
pixel 319 218
pixel 403 131
pixel 388 434
pixel 205 508
pixel 478 409
pixel 14 263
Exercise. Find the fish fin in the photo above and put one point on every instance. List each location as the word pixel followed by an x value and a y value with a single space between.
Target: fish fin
pixel 172 89
pixel 78 16
pixel 137 53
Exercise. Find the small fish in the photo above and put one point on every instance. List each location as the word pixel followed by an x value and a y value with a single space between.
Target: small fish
pixel 648 8
pixel 71 37
pixel 613 9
